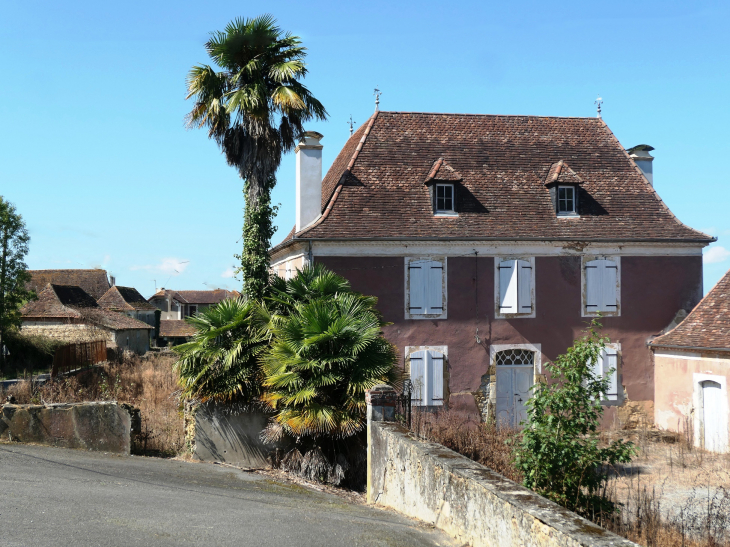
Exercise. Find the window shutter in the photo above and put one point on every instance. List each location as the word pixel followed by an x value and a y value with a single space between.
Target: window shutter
pixel 608 286
pixel 417 289
pixel 507 286
pixel 610 361
pixel 593 285
pixel 418 377
pixel 435 368
pixel 524 286
pixel 434 294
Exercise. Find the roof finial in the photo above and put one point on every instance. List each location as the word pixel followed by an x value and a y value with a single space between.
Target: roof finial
pixel 598 102
pixel 377 94
pixel 352 125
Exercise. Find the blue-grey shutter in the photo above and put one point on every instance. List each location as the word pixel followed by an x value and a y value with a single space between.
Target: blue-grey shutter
pixel 435 376
pixel 524 286
pixel 417 286
pixel 434 289
pixel 418 377
pixel 594 293
pixel 609 281
pixel 610 371
pixel 507 286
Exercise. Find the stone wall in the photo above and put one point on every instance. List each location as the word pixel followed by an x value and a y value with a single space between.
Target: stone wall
pixel 471 502
pixel 67 332
pixel 103 427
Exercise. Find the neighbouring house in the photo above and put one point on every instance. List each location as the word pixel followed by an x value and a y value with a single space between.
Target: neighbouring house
pixel 95 282
pixel 130 302
pixel 71 314
pixel 182 304
pixel 490 241
pixel 174 332
pixel 692 370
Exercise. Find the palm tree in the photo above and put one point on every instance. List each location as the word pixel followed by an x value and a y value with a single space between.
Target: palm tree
pixel 221 362
pixel 255 108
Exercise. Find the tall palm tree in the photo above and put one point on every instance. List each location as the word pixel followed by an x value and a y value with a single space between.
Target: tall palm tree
pixel 253 104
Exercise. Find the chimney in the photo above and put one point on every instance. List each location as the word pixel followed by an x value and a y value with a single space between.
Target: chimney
pixel 113 280
pixel 309 179
pixel 640 154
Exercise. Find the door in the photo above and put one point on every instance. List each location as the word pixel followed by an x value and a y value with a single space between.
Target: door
pixel 714 438
pixel 514 380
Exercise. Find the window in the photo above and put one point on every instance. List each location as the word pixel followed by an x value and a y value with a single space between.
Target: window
pixel 444 198
pixel 566 200
pixel 514 283
pixel 427 377
pixel 601 292
pixel 425 288
pixel 607 367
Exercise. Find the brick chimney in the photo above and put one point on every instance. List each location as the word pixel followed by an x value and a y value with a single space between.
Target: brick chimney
pixel 309 179
pixel 640 155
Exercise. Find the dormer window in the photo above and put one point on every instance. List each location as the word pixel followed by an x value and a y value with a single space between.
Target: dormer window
pixel 566 201
pixel 445 199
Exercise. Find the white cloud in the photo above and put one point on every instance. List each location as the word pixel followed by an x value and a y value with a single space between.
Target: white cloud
pixel 715 255
pixel 230 272
pixel 171 266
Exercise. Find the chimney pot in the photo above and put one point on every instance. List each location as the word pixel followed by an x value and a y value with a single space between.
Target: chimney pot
pixel 309 179
pixel 642 158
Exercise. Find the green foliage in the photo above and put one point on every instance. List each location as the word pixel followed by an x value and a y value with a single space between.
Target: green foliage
pixel 31 353
pixel 255 108
pixel 221 361
pixel 14 240
pixel 560 454
pixel 258 228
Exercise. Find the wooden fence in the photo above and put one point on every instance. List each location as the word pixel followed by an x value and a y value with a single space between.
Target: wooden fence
pixel 78 355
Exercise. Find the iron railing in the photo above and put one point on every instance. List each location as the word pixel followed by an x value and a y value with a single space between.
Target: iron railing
pixel 403 404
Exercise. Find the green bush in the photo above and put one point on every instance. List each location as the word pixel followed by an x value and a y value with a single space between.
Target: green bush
pixel 32 353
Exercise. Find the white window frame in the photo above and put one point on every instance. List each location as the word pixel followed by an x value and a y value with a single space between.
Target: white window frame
pixel 619 400
pixel 407 287
pixel 536 348
pixel 444 212
pixel 574 212
pixel 497 295
pixel 444 350
pixel 585 312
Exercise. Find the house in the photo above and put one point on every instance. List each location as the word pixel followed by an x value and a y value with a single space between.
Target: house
pixel 692 368
pixel 182 304
pixel 490 241
pixel 174 332
pixel 130 302
pixel 95 282
pixel 71 314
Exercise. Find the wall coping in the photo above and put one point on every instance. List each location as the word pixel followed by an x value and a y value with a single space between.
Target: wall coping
pixel 575 527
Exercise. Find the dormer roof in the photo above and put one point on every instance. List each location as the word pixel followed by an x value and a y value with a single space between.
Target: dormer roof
pixel 442 171
pixel 561 173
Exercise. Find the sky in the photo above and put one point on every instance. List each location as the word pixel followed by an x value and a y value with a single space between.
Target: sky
pixel 95 156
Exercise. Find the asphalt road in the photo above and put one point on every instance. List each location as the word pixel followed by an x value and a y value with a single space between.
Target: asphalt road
pixel 56 496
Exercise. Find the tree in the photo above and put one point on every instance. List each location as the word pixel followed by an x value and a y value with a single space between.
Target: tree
pixel 560 454
pixel 14 274
pixel 254 108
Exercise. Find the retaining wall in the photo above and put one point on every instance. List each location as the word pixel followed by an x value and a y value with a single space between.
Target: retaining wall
pixel 104 427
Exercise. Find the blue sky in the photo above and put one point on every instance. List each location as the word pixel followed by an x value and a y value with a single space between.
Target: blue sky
pixel 94 154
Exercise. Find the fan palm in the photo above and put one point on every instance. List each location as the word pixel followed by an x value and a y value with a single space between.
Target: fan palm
pixel 221 362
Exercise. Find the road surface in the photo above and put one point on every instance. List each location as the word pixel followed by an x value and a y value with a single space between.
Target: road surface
pixel 55 496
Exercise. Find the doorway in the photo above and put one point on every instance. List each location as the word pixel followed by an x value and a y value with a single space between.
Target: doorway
pixel 714 430
pixel 515 374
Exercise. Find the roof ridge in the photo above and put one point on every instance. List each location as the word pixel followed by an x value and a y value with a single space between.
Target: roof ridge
pixel 344 175
pixel 651 186
pixel 489 115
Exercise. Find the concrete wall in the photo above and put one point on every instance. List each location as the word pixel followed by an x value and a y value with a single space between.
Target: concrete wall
pixel 228 433
pixel 475 505
pixel 653 289
pixel 677 399
pixel 91 426
pixel 136 340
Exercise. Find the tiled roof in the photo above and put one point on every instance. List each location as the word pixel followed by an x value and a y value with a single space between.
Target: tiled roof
pixel 124 299
pixel 375 188
pixel 113 320
pixel 207 297
pixel 561 173
pixel 442 171
pixel 94 282
pixel 707 326
pixel 175 328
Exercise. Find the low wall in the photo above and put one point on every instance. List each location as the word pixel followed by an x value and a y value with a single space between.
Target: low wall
pixel 471 502
pixel 228 433
pixel 105 427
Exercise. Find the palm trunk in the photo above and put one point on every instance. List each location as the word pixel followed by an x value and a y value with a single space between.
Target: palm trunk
pixel 3 280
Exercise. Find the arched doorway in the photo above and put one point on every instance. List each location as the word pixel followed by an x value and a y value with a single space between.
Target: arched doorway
pixel 515 373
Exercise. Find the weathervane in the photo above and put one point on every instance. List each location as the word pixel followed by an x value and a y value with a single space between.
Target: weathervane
pixel 377 94
pixel 352 125
pixel 598 102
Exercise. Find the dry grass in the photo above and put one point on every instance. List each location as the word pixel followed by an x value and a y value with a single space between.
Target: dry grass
pixel 147 383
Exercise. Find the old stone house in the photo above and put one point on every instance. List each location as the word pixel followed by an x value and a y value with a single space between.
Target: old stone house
pixel 181 304
pixel 174 332
pixel 130 302
pixel 692 371
pixel 95 281
pixel 490 241
pixel 71 314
